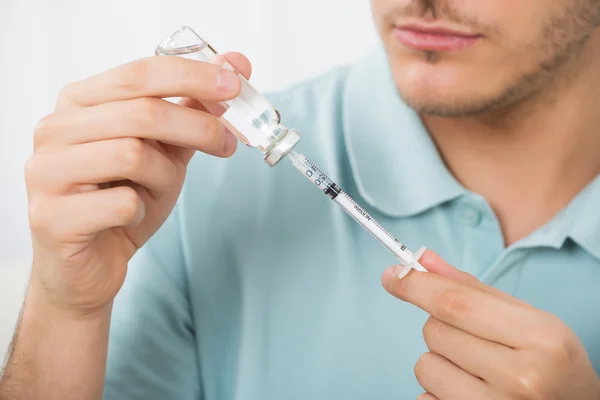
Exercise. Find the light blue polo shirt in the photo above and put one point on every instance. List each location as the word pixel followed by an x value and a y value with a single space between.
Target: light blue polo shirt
pixel 259 287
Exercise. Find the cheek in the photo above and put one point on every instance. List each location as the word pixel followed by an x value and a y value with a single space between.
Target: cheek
pixel 511 23
pixel 383 8
pixel 493 12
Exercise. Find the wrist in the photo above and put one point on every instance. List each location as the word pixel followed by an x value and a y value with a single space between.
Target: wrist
pixel 57 353
pixel 39 306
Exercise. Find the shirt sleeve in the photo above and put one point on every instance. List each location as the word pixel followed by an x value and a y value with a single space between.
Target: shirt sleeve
pixel 152 351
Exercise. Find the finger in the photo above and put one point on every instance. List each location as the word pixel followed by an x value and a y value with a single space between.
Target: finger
pixel 437 265
pixel 158 76
pixel 205 106
pixel 145 118
pixel 240 62
pixel 242 65
pixel 192 103
pixel 465 307
pixel 446 381
pixel 427 396
pixel 60 169
pixel 487 360
pixel 185 153
pixel 75 217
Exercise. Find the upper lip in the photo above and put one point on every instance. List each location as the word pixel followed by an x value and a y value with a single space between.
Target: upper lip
pixel 436 29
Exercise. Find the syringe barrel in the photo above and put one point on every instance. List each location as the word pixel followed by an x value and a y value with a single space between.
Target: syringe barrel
pixel 359 214
pixel 249 116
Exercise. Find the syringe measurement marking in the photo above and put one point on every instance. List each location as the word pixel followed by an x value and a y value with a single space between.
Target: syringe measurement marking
pixel 361 210
pixel 333 191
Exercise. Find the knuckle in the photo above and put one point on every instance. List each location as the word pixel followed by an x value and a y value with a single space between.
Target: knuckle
pixel 557 342
pixel 66 93
pixel 38 215
pixel 43 130
pixel 470 279
pixel 31 170
pixel 146 113
pixel 132 77
pixel 130 154
pixel 529 384
pixel 213 131
pixel 421 367
pixel 190 73
pixel 129 203
pixel 36 171
pixel 451 304
pixel 431 330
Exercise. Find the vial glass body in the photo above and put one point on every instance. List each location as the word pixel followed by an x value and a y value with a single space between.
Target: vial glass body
pixel 250 116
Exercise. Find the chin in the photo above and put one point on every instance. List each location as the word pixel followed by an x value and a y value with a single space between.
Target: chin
pixel 442 88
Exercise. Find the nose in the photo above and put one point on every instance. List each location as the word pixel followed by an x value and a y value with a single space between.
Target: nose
pixel 424 9
pixel 429 13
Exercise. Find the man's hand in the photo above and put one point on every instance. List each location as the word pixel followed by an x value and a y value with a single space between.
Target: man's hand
pixel 108 166
pixel 485 344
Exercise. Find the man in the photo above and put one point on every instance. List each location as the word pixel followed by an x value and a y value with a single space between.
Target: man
pixel 473 131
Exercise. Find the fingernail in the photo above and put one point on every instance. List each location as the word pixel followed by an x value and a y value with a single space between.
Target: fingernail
pixel 230 142
pixel 228 66
pixel 388 275
pixel 401 271
pixel 392 273
pixel 227 80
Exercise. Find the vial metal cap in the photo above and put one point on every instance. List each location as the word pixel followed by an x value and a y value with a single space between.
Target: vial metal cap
pixel 287 143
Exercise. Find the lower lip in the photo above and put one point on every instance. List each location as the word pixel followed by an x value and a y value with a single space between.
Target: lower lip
pixel 434 41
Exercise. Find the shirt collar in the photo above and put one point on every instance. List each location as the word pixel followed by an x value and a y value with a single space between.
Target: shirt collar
pixel 583 216
pixel 399 171
pixel 578 221
pixel 396 165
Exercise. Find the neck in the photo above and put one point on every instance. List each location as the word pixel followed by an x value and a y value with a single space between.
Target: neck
pixel 531 160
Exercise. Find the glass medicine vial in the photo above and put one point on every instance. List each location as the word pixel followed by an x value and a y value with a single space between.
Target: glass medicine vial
pixel 250 116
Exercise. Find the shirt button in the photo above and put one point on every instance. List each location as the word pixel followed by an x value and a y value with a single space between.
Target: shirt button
pixel 471 216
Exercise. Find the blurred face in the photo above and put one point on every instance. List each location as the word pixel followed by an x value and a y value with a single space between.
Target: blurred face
pixel 465 57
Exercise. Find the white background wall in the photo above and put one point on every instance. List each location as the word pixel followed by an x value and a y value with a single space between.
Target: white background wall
pixel 48 43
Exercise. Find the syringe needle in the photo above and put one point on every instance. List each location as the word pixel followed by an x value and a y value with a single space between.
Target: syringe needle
pixel 335 193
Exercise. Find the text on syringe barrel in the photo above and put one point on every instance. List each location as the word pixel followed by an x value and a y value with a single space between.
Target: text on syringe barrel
pixel 373 227
pixel 353 209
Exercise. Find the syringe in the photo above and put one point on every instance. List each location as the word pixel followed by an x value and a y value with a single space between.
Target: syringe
pixel 334 192
pixel 257 124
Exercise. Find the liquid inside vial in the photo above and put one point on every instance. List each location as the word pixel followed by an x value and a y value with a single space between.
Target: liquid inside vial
pixel 253 117
pixel 250 116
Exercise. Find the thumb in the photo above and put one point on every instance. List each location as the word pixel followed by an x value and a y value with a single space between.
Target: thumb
pixel 437 265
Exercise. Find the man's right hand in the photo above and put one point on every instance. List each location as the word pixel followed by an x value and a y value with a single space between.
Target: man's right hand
pixel 108 167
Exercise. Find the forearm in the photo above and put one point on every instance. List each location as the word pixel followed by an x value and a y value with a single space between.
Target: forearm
pixel 55 355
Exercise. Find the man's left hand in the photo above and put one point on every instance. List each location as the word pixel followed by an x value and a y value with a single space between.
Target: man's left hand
pixel 486 344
